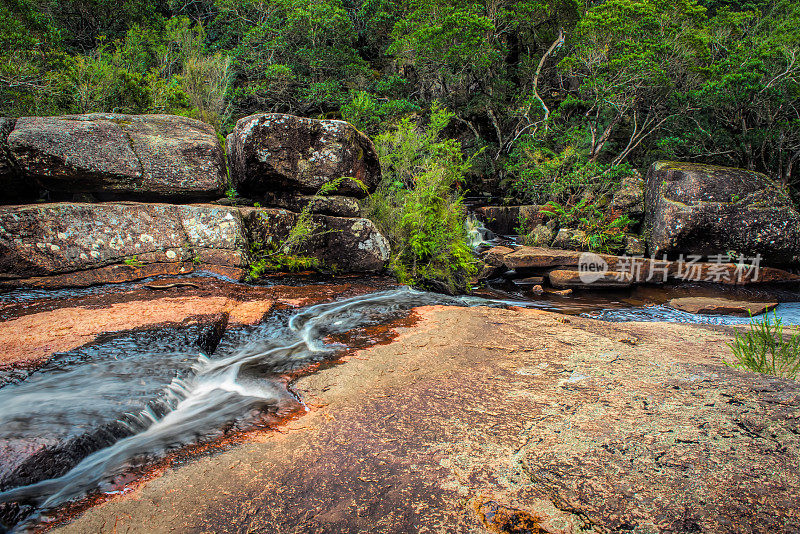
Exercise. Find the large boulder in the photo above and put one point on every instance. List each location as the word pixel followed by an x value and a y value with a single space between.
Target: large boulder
pixel 121 241
pixel 121 157
pixel 708 210
pixel 278 152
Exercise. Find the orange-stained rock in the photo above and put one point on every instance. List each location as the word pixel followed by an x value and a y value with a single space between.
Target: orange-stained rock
pixel 489 418
pixel 31 331
pixel 562 278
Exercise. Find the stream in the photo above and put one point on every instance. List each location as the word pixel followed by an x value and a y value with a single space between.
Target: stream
pixel 126 400
pixel 120 403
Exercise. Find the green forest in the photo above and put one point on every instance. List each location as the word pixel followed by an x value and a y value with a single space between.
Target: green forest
pixel 546 96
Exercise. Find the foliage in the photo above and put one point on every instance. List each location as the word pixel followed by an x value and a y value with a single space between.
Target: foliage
pixel 544 174
pixel 558 94
pixel 764 348
pixel 417 208
pixel 604 233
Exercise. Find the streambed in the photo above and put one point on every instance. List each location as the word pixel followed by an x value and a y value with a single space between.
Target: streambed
pixel 86 418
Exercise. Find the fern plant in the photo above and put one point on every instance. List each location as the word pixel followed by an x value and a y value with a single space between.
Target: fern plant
pixel 603 233
pixel 765 349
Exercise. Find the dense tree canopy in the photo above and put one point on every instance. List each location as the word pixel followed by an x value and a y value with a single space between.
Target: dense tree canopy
pixel 541 89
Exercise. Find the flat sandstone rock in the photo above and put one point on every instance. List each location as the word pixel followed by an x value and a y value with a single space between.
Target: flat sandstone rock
pixel 720 306
pixel 478 418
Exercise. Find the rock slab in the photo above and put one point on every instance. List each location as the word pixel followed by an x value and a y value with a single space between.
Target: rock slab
pixel 476 414
pixel 120 157
pixel 52 239
pixel 720 306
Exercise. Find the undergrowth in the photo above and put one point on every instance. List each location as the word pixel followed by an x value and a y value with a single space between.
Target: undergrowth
pixel 416 206
pixel 604 232
pixel 765 349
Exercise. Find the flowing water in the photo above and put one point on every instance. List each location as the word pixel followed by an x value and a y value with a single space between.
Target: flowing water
pixel 141 397
pixel 108 407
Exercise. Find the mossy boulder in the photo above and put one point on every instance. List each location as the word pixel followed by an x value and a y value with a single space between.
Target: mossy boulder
pixel 346 244
pixel 709 210
pixel 275 152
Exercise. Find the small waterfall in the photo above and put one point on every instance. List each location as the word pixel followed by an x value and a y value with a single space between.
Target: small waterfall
pixel 477 233
pixel 210 394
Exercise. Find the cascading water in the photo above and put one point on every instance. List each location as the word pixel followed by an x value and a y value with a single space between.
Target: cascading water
pixel 477 233
pixel 203 396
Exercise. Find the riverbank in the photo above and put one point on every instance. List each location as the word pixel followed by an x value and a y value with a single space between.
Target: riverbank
pixel 491 417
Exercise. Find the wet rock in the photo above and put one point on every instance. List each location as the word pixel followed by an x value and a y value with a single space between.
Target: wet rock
pixel 210 335
pixel 537 290
pixel 562 278
pixel 559 292
pixel 487 272
pixel 121 157
pixel 629 198
pixel 635 246
pixel 65 239
pixel 336 205
pixel 284 153
pixel 494 256
pixel 721 306
pixel 505 220
pixel 529 281
pixel 708 210
pixel 506 418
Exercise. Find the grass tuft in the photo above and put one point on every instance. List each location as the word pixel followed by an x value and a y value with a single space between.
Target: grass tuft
pixel 765 348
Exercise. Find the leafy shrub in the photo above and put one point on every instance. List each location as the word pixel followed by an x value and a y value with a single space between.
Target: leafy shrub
pixel 417 208
pixel 562 175
pixel 604 233
pixel 764 349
